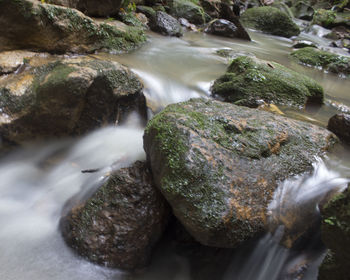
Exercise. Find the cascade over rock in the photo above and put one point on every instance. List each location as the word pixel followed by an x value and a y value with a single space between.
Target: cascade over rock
pixel 28 24
pixel 119 225
pixel 68 97
pixel 218 164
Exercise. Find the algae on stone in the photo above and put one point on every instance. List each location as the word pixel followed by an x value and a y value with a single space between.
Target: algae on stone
pixel 249 81
pixel 270 20
pixel 188 10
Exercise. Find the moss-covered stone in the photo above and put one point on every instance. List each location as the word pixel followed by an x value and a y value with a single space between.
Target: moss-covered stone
pixel 270 20
pixel 68 97
pixel 218 164
pixel 325 18
pixel 328 61
pixel 188 10
pixel 59 29
pixel 336 236
pixel 120 224
pixel 248 81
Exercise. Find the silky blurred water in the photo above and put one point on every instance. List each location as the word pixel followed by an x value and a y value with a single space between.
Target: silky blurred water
pixel 38 180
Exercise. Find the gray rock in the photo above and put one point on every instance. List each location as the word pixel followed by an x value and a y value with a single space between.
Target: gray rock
pixel 218 164
pixel 225 28
pixel 166 24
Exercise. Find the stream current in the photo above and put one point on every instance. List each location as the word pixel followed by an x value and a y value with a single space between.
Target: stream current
pixel 38 180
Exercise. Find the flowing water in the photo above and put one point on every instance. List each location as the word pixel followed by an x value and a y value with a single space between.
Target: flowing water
pixel 38 180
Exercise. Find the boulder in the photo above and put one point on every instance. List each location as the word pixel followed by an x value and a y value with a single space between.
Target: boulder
pixel 68 97
pixel 303 10
pixel 218 164
pixel 270 20
pixel 28 24
pixel 339 124
pixel 330 18
pixel 321 59
pixel 188 10
pixel 335 231
pixel 166 24
pixel 12 60
pixel 250 81
pixel 95 8
pixel 120 224
pixel 225 28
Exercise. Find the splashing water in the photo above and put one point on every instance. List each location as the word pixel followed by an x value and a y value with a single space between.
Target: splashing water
pixel 293 213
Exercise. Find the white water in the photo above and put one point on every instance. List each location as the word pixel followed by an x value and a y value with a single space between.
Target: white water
pixel 35 183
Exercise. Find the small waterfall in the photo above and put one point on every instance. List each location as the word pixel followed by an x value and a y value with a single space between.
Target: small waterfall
pixel 294 220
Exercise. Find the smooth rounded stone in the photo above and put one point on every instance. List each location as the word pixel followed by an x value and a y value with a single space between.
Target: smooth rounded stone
pixel 303 44
pixel 29 24
pixel 119 224
pixel 67 97
pixel 302 10
pixel 225 28
pixel 251 82
pixel 325 60
pixel 95 8
pixel 335 231
pixel 340 125
pixel 270 20
pixel 166 24
pixel 188 10
pixel 218 164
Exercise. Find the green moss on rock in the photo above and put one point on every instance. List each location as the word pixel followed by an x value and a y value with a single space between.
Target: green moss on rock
pixel 188 10
pixel 270 20
pixel 249 80
pixel 328 61
pixel 325 18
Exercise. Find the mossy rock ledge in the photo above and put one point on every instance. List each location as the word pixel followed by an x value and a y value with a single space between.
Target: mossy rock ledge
pixel 331 62
pixel 249 81
pixel 29 24
pixel 67 97
pixel 270 20
pixel 335 232
pixel 218 164
pixel 120 224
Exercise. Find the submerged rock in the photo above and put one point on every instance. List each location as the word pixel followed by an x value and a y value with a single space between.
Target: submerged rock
pixel 188 10
pixel 95 8
pixel 328 61
pixel 166 24
pixel 218 164
pixel 340 125
pixel 31 25
pixel 222 27
pixel 270 20
pixel 68 97
pixel 120 224
pixel 335 232
pixel 250 81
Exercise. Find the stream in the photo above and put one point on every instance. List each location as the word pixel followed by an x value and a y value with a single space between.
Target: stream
pixel 37 181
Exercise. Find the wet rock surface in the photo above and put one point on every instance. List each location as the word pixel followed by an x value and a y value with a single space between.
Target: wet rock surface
pixel 68 97
pixel 340 125
pixel 336 236
pixel 28 24
pixel 225 28
pixel 270 20
pixel 188 10
pixel 92 7
pixel 218 164
pixel 120 224
pixel 328 61
pixel 166 24
pixel 250 81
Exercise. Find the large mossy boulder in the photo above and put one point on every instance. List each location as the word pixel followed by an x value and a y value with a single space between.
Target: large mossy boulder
pixel 95 8
pixel 120 224
pixel 249 81
pixel 336 236
pixel 218 164
pixel 68 97
pixel 321 59
pixel 270 20
pixel 28 24
pixel 188 10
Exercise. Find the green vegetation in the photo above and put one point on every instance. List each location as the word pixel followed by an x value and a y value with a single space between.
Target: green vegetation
pixel 270 20
pixel 324 18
